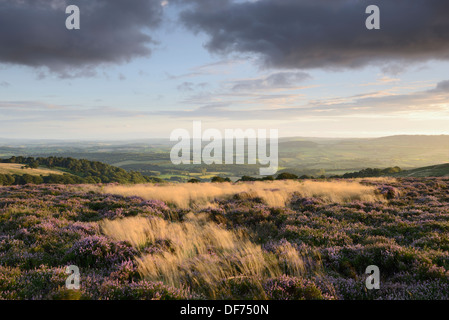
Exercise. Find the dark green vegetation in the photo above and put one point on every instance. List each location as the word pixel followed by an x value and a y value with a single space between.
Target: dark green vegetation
pixel 45 228
pixel 299 156
pixel 77 172
pixel 370 172
pixel 220 179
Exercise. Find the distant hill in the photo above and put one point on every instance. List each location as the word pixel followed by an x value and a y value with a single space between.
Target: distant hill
pixel 441 170
pixel 414 140
pixel 297 144
pixel 298 155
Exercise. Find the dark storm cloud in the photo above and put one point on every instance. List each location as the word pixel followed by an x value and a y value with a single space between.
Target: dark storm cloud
pixel 324 33
pixel 33 32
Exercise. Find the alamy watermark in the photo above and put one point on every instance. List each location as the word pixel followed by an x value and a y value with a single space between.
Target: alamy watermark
pixel 73 20
pixel 373 280
pixel 73 280
pixel 373 21
pixel 189 149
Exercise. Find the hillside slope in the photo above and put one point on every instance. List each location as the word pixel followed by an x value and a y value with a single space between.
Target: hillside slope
pixel 18 169
pixel 441 170
pixel 65 171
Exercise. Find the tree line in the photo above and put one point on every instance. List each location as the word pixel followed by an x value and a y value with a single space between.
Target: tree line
pixel 365 173
pixel 76 171
pixel 372 172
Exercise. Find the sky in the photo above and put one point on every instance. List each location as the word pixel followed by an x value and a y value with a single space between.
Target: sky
pixel 139 69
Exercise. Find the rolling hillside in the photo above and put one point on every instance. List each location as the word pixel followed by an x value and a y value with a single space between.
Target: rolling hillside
pixel 441 170
pixel 61 170
pixel 298 155
pixel 16 169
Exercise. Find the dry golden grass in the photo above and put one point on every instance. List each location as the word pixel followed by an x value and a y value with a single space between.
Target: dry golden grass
pixel 385 180
pixel 274 193
pixel 16 168
pixel 203 255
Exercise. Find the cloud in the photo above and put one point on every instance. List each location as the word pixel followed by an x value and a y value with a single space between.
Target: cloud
pixel 382 81
pixel 305 34
pixel 219 67
pixel 280 80
pixel 5 84
pixel 33 33
pixel 291 34
pixel 26 105
pixel 188 86
pixel 39 111
pixel 443 86
pixel 362 105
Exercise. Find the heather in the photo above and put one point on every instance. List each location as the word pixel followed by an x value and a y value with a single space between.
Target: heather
pixel 238 246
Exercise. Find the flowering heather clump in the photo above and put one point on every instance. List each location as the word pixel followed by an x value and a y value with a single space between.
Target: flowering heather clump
pixel 389 192
pixel 307 243
pixel 39 283
pixel 98 251
pixel 292 288
pixel 45 228
pixel 111 289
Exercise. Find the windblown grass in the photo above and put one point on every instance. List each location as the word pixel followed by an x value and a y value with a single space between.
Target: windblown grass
pixel 274 193
pixel 202 255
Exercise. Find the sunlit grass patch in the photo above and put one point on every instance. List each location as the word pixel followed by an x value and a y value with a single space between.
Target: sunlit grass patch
pixel 273 193
pixel 204 256
pixel 16 168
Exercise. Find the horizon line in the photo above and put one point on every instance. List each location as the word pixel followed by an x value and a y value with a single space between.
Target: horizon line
pixel 168 139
